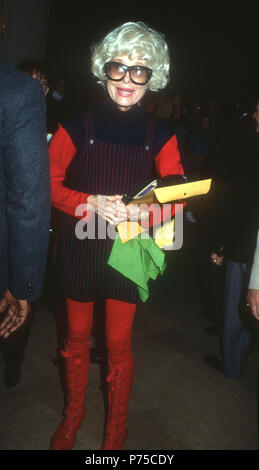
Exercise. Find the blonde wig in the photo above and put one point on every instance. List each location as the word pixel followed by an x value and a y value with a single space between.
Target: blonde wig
pixel 137 41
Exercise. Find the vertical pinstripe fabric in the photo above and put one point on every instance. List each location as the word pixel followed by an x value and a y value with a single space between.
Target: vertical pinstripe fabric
pixel 100 168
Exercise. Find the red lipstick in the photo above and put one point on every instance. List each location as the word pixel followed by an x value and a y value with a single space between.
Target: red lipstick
pixel 125 91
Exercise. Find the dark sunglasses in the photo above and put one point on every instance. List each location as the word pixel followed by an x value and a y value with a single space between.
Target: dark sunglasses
pixel 139 74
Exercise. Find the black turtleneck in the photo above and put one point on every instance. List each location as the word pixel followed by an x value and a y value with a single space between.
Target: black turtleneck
pixel 119 127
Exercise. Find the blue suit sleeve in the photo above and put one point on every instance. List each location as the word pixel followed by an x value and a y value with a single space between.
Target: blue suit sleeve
pixel 27 184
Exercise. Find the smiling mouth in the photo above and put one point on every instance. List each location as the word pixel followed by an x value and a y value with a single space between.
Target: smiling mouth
pixel 125 92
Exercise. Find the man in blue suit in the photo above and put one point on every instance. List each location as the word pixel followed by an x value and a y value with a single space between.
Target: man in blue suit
pixel 24 194
pixel 235 238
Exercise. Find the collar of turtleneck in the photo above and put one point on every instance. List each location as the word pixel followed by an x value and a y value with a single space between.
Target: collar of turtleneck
pixel 116 126
pixel 109 108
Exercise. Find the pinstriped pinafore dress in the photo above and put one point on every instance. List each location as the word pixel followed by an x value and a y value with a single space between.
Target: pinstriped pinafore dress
pixel 108 169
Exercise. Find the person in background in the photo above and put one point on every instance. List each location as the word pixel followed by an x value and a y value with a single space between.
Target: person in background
pixel 195 114
pixel 24 208
pixel 253 306
pixel 214 115
pixel 57 109
pixel 37 70
pixel 200 143
pixel 253 287
pixel 235 238
pixel 169 108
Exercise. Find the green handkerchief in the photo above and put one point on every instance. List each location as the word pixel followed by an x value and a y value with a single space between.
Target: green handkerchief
pixel 139 260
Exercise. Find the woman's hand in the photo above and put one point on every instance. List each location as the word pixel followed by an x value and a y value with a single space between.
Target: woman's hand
pixel 136 213
pixel 217 260
pixel 110 208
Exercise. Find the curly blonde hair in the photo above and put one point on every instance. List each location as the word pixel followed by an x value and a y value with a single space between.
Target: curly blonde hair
pixel 137 41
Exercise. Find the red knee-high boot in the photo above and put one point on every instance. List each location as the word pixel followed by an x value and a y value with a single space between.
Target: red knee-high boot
pixel 119 380
pixel 77 368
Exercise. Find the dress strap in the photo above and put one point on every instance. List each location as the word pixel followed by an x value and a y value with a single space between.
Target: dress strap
pixel 150 132
pixel 89 127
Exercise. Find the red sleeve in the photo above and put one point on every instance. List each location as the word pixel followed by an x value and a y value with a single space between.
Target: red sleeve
pixel 62 150
pixel 168 160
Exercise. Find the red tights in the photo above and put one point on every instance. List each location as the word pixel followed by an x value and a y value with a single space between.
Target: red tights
pixel 118 324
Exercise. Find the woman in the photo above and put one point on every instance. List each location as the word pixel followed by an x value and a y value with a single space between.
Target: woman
pixel 107 152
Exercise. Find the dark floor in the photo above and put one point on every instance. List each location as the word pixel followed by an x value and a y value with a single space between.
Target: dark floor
pixel 177 402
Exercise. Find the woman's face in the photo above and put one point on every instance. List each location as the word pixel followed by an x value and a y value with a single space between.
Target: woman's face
pixel 125 93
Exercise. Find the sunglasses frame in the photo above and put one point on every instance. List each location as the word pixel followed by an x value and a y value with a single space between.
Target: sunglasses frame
pixel 126 69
